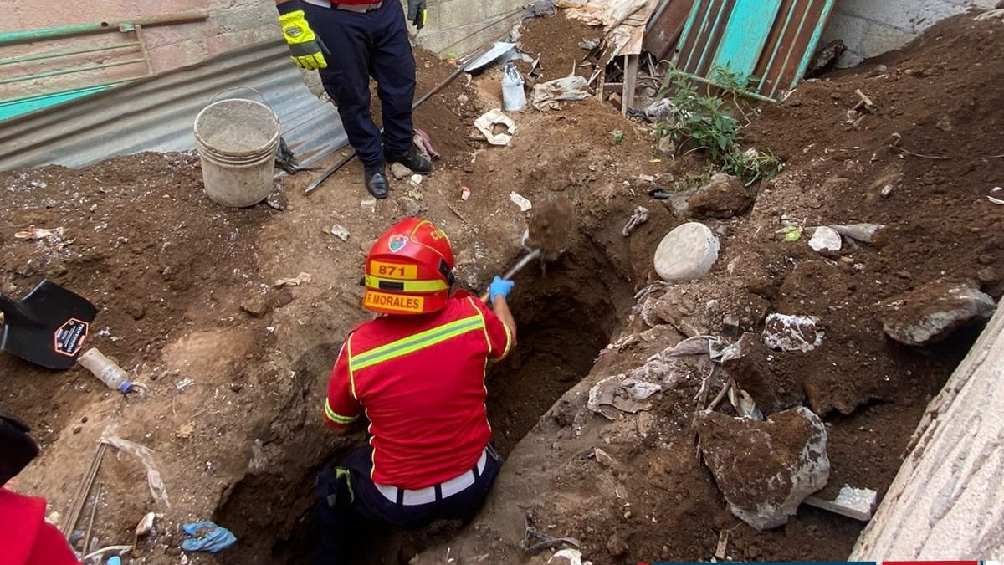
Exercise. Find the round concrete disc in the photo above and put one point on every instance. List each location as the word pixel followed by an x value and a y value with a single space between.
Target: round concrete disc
pixel 686 253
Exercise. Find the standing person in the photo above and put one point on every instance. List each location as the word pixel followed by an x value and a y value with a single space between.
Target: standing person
pixel 418 373
pixel 25 537
pixel 348 41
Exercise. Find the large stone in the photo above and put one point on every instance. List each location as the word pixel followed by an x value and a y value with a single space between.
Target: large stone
pixel 932 312
pixel 723 197
pixel 765 469
pixel 686 253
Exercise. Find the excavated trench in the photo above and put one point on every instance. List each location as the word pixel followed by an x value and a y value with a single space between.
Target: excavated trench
pixel 565 315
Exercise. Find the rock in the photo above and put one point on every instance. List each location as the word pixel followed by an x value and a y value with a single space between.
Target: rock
pixel 772 391
pixel 410 206
pixel 765 469
pixel 856 503
pixel 723 197
pixel 604 458
pixel 865 233
pixel 826 240
pixel 792 333
pixel 686 253
pixel 616 545
pixel 666 146
pixel 256 305
pixel 400 171
pixel 932 312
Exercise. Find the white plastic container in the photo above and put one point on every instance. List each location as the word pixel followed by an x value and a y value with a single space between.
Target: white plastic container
pixel 237 140
pixel 513 94
pixel 106 370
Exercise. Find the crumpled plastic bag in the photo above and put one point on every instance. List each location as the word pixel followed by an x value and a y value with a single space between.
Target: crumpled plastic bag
pixel 546 95
pixel 206 536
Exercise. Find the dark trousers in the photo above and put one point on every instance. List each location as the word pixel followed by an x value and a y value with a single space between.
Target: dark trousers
pixel 373 43
pixel 346 494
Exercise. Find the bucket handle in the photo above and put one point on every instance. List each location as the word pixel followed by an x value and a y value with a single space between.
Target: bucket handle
pixel 257 95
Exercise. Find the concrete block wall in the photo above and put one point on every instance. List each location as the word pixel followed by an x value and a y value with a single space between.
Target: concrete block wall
pixel 872 27
pixel 457 27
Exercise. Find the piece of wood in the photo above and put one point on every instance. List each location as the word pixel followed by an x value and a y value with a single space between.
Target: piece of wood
pixel 947 500
pixel 630 82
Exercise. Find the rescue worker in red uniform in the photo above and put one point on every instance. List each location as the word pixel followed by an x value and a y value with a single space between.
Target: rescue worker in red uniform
pixel 417 372
pixel 25 537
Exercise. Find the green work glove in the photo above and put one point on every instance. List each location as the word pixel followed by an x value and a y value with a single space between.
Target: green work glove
pixel 307 49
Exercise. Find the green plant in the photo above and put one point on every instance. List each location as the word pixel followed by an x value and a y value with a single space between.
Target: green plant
pixel 702 122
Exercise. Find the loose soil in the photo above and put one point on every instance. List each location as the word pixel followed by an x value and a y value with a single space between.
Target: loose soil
pixel 236 368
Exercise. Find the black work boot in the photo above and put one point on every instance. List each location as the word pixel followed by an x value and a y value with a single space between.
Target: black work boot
pixel 376 181
pixel 413 160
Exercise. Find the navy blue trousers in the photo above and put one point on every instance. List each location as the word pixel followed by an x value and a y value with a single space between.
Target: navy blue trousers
pixel 343 502
pixel 374 44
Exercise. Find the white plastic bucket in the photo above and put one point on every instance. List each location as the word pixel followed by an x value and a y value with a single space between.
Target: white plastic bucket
pixel 237 140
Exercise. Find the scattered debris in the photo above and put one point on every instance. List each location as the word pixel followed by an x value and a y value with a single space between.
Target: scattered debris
pixel 423 142
pixel 589 44
pixel 494 120
pixel 535 541
pixel 255 305
pixel 513 95
pixel 604 458
pixel 638 217
pixel 206 536
pixel 723 197
pixel 277 200
pixel 399 171
pixel 465 193
pixel 792 333
pixel 298 280
pixel 31 233
pixel 145 526
pixel 540 8
pixel 568 557
pixel 617 137
pixel 416 179
pixel 106 370
pixel 629 392
pixel 932 312
pixel 723 544
pixel 145 456
pixel 995 191
pixel 500 51
pixel 856 503
pixel 792 233
pixel 339 231
pixel 686 253
pixel 765 469
pixel 826 240
pixel 547 95
pixel 865 233
pixel 519 200
pixel 744 404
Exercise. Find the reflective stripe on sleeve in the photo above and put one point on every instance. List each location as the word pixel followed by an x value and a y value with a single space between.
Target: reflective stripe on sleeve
pixel 335 416
pixel 415 342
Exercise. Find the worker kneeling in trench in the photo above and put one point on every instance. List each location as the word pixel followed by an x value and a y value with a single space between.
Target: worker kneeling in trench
pixel 418 373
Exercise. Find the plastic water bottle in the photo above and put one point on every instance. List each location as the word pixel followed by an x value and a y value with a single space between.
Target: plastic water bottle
pixel 106 370
pixel 513 95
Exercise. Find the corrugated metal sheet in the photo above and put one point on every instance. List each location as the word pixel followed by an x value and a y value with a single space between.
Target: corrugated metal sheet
pixel 157 113
pixel 665 27
pixel 769 42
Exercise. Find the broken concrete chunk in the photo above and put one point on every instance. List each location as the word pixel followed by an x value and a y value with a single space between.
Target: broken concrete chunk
pixel 765 469
pixel 723 197
pixel 686 253
pixel 826 240
pixel 497 127
pixel 400 171
pixel 864 233
pixel 792 333
pixel 631 392
pixel 932 312
pixel 856 503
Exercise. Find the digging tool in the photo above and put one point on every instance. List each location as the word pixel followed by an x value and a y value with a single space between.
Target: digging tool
pixel 47 327
pixel 523 262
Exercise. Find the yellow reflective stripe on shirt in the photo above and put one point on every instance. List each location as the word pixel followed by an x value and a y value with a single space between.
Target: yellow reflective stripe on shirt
pixel 405 286
pixel 415 342
pixel 335 416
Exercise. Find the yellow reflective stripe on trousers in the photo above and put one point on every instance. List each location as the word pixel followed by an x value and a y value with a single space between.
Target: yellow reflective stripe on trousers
pixel 415 342
pixel 335 416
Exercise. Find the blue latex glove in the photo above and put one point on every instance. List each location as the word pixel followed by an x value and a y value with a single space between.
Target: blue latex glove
pixel 206 536
pixel 499 287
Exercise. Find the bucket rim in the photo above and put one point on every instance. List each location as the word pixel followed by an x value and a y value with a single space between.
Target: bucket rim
pixel 274 140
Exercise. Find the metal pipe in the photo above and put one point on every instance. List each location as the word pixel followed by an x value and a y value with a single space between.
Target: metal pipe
pixel 32 35
pixel 70 71
pixel 57 54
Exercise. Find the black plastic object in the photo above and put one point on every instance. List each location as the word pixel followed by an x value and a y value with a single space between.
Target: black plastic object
pixel 47 327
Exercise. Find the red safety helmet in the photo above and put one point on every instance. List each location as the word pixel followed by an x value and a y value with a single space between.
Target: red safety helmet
pixel 409 269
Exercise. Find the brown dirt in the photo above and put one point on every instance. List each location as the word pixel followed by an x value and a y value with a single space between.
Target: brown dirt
pixel 240 444
pixel 556 40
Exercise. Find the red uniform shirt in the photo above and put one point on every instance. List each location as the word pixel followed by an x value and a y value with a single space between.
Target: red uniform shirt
pixel 420 380
pixel 25 537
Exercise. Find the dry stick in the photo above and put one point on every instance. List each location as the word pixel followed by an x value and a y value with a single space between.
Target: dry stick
pixel 90 521
pixel 921 156
pixel 721 394
pixel 77 504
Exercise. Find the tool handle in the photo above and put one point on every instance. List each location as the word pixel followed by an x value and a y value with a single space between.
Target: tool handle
pixel 516 269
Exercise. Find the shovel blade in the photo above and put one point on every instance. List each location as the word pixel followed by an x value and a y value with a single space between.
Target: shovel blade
pixel 47 327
